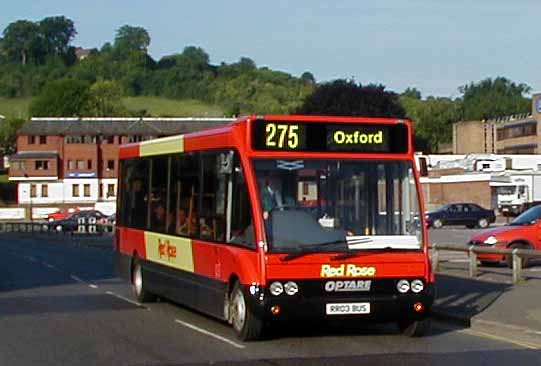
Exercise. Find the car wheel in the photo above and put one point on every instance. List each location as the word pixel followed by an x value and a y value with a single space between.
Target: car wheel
pixel 470 226
pixel 482 223
pixel 138 285
pixel 437 224
pixel 509 258
pixel 246 326
pixel 414 328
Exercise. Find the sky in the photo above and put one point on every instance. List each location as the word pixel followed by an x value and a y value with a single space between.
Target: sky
pixel 432 45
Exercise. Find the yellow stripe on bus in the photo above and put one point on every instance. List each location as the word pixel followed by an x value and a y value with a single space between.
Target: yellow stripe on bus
pixel 166 145
pixel 169 250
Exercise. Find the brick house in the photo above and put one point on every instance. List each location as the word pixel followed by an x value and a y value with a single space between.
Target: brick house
pixel 73 162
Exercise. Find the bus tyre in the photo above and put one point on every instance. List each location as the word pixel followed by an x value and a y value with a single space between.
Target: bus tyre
pixel 482 223
pixel 509 258
pixel 246 326
pixel 414 328
pixel 437 224
pixel 138 286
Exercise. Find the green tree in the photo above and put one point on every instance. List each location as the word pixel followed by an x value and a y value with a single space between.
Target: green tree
pixel 21 41
pixel 61 98
pixel 8 135
pixel 411 93
pixel 56 34
pixel 105 99
pixel 129 38
pixel 433 119
pixel 491 98
pixel 344 98
pixel 308 78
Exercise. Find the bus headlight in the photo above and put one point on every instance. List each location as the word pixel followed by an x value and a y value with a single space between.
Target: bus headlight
pixel 403 286
pixel 291 288
pixel 276 288
pixel 417 286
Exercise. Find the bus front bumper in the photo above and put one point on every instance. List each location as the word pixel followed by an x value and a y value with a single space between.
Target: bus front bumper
pixel 358 307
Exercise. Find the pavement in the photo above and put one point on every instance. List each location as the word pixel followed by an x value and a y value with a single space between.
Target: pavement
pixel 496 308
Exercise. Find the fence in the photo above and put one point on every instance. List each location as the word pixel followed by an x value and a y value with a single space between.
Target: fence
pixel 472 250
pixel 82 227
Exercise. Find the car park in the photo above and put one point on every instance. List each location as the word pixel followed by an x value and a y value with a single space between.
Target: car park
pixel 468 214
pixel 524 232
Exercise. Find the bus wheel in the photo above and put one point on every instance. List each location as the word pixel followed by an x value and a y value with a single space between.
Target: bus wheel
pixel 138 286
pixel 246 326
pixel 414 328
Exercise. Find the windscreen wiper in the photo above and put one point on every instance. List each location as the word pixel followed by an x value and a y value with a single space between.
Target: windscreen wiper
pixel 300 252
pixel 358 252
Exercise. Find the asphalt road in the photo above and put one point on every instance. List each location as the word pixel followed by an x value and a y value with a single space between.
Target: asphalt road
pixel 60 304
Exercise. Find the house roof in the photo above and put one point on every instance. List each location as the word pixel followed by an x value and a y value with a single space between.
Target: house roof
pixel 23 155
pixel 118 126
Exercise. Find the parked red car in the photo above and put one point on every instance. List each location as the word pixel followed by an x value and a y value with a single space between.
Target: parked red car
pixel 524 232
pixel 61 214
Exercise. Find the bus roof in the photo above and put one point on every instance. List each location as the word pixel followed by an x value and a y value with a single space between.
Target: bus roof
pixel 227 134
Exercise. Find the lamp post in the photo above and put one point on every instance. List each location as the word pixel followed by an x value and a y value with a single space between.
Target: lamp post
pixel 31 208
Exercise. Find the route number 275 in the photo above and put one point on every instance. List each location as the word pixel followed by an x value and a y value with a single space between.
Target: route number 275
pixel 278 135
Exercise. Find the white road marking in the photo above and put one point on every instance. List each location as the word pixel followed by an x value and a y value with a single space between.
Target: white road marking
pixel 50 266
pixel 75 278
pixel 31 259
pixel 206 332
pixel 128 300
pixel 92 286
pixel 478 333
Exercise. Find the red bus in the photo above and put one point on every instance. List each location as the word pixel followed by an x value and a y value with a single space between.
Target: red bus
pixel 279 218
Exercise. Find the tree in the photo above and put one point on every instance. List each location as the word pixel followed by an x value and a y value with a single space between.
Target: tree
pixel 61 98
pixel 411 93
pixel 345 98
pixel 21 41
pixel 491 98
pixel 105 99
pixel 129 39
pixel 8 135
pixel 57 33
pixel 308 78
pixel 432 120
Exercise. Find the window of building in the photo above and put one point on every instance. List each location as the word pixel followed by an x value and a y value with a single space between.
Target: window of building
pixel 110 190
pixel 110 165
pixel 43 140
pixel 135 138
pixel 75 190
pixel 74 139
pixel 18 165
pixel 86 190
pixel 33 191
pixel 41 164
pixel 31 140
pixel 71 164
pixel 110 139
pixel 88 139
pixel 80 164
pixel 44 190
pixel 519 130
pixel 89 164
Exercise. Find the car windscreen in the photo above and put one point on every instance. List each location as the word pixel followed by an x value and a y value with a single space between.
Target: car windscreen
pixel 528 216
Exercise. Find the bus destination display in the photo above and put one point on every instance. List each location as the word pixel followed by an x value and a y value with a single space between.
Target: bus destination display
pixel 322 137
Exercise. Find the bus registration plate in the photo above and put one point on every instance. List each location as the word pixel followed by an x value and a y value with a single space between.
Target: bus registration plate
pixel 348 308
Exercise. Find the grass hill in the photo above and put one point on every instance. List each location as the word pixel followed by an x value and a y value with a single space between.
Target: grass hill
pixel 154 106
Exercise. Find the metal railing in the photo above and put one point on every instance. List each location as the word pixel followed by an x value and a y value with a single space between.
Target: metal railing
pixel 473 250
pixel 50 227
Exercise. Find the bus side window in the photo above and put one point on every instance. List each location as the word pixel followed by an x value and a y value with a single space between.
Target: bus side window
pixel 134 209
pixel 240 225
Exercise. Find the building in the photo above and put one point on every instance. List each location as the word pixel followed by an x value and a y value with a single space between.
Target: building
pixel 73 162
pixel 519 134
